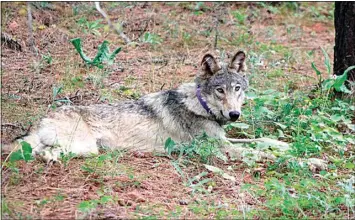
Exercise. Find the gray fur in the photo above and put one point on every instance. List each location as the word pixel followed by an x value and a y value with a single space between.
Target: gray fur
pixel 145 124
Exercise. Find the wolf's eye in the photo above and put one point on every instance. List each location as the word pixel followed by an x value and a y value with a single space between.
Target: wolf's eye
pixel 220 90
pixel 237 88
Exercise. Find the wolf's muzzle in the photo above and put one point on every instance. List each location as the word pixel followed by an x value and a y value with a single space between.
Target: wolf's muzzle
pixel 234 115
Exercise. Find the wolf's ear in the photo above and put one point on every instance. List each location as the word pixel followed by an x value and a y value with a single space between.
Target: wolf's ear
pixel 209 65
pixel 237 62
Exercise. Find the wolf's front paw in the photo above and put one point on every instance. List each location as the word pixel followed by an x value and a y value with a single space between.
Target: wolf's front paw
pixel 48 155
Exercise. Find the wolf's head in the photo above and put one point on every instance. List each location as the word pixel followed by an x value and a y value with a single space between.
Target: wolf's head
pixel 222 86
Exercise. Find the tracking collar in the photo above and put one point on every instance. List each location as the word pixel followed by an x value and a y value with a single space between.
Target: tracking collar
pixel 202 102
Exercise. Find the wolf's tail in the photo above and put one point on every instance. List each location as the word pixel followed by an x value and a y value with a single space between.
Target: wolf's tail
pixel 10 147
pixel 15 145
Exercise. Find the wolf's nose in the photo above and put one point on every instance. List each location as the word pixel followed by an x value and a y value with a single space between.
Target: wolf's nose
pixel 234 115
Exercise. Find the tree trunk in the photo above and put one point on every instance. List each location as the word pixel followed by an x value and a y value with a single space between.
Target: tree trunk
pixel 344 50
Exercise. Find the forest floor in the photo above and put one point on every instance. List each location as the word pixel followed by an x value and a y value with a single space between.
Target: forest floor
pixel 281 40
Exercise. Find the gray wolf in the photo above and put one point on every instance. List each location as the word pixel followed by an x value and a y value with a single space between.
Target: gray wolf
pixel 214 99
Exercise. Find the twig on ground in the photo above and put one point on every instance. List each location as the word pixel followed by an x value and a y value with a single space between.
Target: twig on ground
pixel 142 30
pixel 118 31
pixel 66 98
pixel 14 148
pixel 12 125
pixel 161 88
pixel 165 64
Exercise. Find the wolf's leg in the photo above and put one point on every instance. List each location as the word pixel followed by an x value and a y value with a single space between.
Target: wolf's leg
pixel 35 142
pixel 79 146
pixel 56 138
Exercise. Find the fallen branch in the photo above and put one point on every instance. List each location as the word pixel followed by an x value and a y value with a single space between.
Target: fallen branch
pixel 313 163
pixel 118 31
pixel 141 31
pixel 76 95
pixel 9 148
pixel 12 125
pixel 280 144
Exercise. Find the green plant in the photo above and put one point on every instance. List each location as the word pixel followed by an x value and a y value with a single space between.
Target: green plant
pixel 88 205
pixel 186 37
pixel 97 78
pixel 4 207
pixel 243 38
pixel 198 8
pixel 90 26
pixel 349 195
pixel 203 146
pixel 77 81
pixel 273 10
pixel 197 183
pixel 293 6
pixel 103 164
pixel 337 83
pixel 42 202
pixel 47 58
pixel 43 4
pixel 310 125
pixel 206 32
pixel 103 54
pixel 151 38
pixel 300 196
pixel 56 90
pixel 82 8
pixel 24 153
pixel 58 197
pixel 65 158
pixel 240 16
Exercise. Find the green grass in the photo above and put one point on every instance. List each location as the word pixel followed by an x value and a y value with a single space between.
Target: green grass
pixel 315 123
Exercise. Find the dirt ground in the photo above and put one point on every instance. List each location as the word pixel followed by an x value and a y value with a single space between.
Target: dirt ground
pixel 276 38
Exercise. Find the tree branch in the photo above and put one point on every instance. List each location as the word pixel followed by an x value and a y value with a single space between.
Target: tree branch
pixel 118 31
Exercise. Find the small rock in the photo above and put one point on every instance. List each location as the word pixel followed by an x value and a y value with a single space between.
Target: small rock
pixel 183 202
pixel 122 202
pixel 116 85
pixel 13 26
pixel 135 196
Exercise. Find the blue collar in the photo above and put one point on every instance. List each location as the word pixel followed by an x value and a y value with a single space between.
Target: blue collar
pixel 202 102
